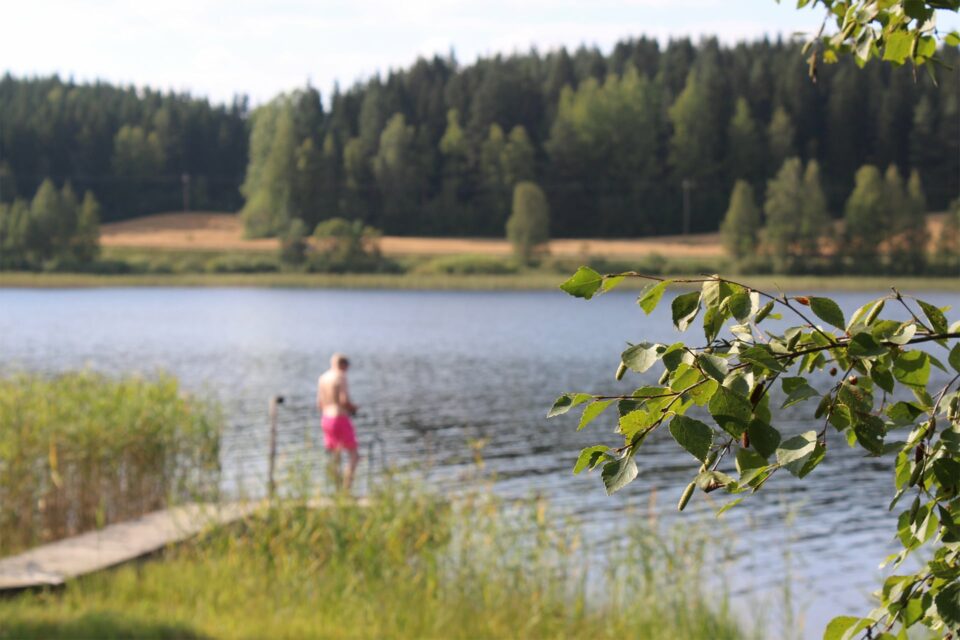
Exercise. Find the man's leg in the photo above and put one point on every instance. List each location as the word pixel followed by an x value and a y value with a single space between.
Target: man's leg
pixel 351 468
pixel 333 468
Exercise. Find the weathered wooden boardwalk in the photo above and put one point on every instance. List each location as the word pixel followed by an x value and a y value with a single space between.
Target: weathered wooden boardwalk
pixel 55 563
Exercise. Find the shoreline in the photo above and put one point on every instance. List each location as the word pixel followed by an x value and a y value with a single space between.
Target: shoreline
pixel 530 281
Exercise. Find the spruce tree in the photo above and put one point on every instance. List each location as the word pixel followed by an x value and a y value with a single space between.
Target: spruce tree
pixel 745 156
pixel 815 221
pixel 741 223
pixel 85 243
pixel 783 208
pixel 864 217
pixel 529 223
pixel 780 137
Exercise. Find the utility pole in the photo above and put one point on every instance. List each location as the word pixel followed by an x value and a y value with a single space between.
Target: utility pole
pixel 185 181
pixel 687 185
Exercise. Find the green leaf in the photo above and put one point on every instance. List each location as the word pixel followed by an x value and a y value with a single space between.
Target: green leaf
pixel 938 322
pixel 685 308
pixel 794 452
pixel 763 438
pixel 684 377
pixel 869 432
pixel 903 334
pixel 730 505
pixel 591 412
pixel 731 411
pixel 650 296
pixel 898 46
pixel 912 368
pixel 762 356
pixel 845 627
pixel 640 357
pixel 611 283
pixel 739 305
pixel 954 358
pixel 797 390
pixel 692 435
pixel 952 39
pixel 714 366
pixel 619 473
pixel 864 345
pixel 590 457
pixel 948 604
pixel 947 472
pixel 883 378
pixel 702 393
pixel 583 284
pixel 568 401
pixel 828 311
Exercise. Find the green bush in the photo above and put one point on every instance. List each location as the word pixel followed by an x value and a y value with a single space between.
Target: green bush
pixel 467 265
pixel 242 264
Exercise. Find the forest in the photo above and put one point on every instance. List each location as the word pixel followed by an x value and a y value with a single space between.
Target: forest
pixel 616 141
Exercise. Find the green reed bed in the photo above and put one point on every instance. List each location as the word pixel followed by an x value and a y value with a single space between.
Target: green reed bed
pixel 81 450
pixel 410 566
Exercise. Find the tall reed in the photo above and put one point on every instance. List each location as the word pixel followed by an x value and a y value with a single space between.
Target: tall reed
pixel 411 565
pixel 81 450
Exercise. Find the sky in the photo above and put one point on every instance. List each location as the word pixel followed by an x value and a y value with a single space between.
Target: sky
pixel 218 48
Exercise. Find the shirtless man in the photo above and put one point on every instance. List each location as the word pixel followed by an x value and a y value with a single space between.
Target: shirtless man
pixel 334 404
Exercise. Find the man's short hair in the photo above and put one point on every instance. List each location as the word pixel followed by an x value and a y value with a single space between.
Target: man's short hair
pixel 339 360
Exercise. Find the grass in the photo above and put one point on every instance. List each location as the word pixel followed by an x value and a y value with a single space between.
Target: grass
pixel 81 450
pixel 412 566
pixel 541 279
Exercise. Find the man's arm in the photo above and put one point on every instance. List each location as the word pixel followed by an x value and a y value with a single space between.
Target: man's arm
pixel 343 398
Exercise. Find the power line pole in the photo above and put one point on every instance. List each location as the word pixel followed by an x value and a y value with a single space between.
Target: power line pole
pixel 687 185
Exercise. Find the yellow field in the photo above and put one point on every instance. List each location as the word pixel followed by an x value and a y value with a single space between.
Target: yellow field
pixel 224 231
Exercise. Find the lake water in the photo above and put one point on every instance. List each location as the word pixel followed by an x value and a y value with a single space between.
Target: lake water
pixel 435 372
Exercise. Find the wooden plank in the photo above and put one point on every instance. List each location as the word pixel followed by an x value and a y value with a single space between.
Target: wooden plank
pixel 54 563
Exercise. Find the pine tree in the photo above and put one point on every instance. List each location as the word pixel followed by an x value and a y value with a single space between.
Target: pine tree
pixel 815 221
pixel 745 156
pixel 741 222
pixel 395 171
pixel 85 243
pixel 780 137
pixel 864 217
pixel 783 208
pixel 272 204
pixel 908 252
pixel 529 223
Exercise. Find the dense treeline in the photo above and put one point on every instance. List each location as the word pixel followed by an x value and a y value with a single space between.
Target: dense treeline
pixel 612 140
pixel 138 150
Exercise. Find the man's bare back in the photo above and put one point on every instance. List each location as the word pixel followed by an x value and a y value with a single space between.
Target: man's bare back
pixel 333 399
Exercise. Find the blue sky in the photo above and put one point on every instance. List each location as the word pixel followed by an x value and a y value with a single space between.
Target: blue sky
pixel 217 48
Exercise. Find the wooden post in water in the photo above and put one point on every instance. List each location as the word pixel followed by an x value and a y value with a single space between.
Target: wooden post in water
pixel 275 402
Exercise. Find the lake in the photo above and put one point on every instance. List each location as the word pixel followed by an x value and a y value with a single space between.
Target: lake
pixel 440 375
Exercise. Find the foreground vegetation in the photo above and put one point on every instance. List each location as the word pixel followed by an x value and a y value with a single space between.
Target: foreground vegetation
pixel 413 566
pixel 79 451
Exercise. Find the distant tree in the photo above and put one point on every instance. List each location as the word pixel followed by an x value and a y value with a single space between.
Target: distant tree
pixel 495 200
pixel 14 224
pixel 44 220
pixel 783 208
pixel 745 156
pixel 529 223
pixel 86 240
pixel 517 157
pixel 948 240
pixel 780 137
pixel 271 188
pixel 138 160
pixel 815 221
pixel 741 222
pixel 293 243
pixel 864 217
pixel 455 150
pixel 396 173
pixel 908 222
pixel 694 146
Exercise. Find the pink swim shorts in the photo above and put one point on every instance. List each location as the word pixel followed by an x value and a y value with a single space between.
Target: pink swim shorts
pixel 338 433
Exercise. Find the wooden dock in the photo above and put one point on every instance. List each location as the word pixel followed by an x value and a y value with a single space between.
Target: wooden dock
pixel 53 564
